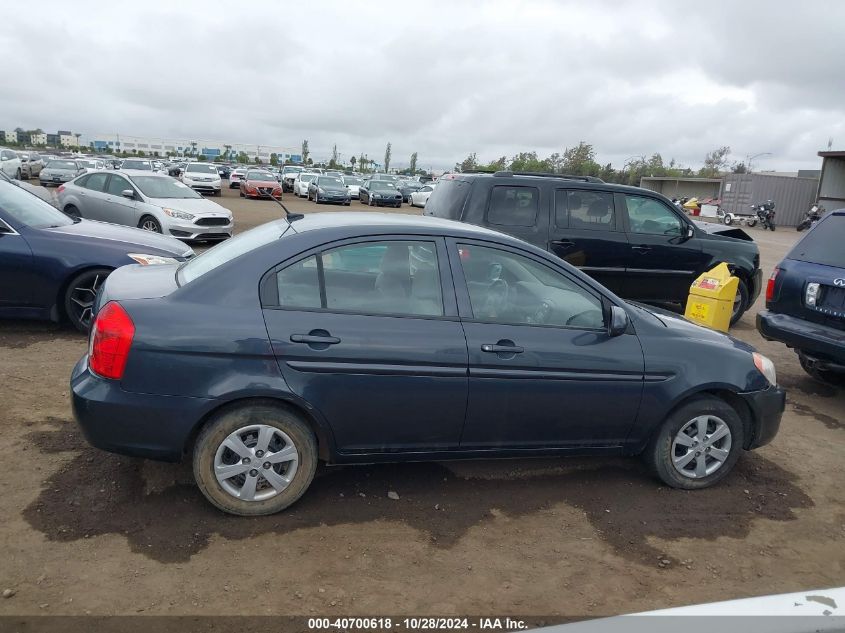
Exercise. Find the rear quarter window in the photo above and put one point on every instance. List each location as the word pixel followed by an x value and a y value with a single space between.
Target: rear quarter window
pixel 448 199
pixel 823 244
pixel 513 206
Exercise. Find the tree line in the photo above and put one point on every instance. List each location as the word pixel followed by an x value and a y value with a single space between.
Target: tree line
pixel 581 161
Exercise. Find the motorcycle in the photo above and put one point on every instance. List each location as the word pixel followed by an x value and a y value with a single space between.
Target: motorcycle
pixel 813 215
pixel 765 215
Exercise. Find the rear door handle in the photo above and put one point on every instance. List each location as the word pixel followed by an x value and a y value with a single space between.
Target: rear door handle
pixel 566 243
pixel 502 349
pixel 642 249
pixel 311 339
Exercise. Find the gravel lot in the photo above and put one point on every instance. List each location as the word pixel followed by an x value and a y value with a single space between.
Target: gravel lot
pixel 88 532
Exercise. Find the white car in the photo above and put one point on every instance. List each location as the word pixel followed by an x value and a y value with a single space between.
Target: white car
pixel 300 185
pixel 353 184
pixel 202 177
pixel 10 163
pixel 91 164
pixel 419 198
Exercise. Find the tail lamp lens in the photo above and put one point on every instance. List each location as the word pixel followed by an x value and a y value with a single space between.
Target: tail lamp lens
pixel 770 285
pixel 60 189
pixel 111 338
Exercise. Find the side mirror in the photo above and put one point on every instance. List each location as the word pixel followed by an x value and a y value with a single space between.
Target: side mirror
pixel 690 232
pixel 128 193
pixel 618 321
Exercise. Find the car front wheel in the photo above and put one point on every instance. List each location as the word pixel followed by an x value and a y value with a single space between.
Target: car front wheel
pixel 149 223
pixel 80 295
pixel 697 445
pixel 740 302
pixel 254 460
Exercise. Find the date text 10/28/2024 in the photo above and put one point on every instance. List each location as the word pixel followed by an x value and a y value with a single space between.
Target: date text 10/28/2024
pixel 416 624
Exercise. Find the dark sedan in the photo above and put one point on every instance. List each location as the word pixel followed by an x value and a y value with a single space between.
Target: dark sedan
pixel 52 266
pixel 407 187
pixel 351 338
pixel 380 193
pixel 328 189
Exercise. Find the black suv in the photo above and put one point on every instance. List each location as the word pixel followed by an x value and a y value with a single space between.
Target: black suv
pixel 805 300
pixel 634 241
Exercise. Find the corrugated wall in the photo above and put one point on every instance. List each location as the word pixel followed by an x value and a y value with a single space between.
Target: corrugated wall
pixel 792 196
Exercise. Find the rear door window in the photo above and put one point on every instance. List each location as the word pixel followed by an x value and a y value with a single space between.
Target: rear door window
pixel 96 182
pixel 513 206
pixel 823 244
pixel 448 198
pixel 592 210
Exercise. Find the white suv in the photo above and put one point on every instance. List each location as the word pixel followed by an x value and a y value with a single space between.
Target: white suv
pixel 202 177
pixel 10 163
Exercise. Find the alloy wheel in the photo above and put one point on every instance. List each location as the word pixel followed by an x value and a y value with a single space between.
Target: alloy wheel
pixel 150 225
pixel 82 297
pixel 256 462
pixel 701 447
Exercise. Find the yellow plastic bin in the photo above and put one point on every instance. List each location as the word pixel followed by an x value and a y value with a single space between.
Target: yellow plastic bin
pixel 711 298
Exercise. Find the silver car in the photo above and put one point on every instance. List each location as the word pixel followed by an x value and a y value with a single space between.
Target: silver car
pixel 31 164
pixel 59 171
pixel 150 201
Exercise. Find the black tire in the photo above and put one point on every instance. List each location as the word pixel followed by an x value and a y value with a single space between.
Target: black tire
pixel 72 212
pixel 751 223
pixel 241 194
pixel 149 223
pixel 822 375
pixel 742 305
pixel 18 174
pixel 658 453
pixel 728 219
pixel 79 296
pixel 228 421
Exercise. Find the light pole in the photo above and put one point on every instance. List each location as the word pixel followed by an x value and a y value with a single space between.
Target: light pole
pixel 749 159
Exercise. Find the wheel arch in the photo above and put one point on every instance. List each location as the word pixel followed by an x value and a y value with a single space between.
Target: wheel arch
pixel 325 445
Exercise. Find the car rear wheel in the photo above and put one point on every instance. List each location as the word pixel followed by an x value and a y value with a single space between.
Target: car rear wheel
pixel 740 302
pixel 149 223
pixel 255 460
pixel 80 295
pixel 72 211
pixel 697 445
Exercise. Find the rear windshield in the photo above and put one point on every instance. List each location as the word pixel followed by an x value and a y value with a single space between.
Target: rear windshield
pixel 62 164
pixel 234 247
pixel 823 244
pixel 448 198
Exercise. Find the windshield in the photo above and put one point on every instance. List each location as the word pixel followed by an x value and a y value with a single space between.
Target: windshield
pixel 137 164
pixel 200 168
pixel 330 182
pixel 823 244
pixel 230 249
pixel 163 187
pixel 259 175
pixel 28 209
pixel 291 170
pixel 381 185
pixel 62 164
pixel 307 177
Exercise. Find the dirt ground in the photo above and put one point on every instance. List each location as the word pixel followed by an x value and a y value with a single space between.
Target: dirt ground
pixel 86 532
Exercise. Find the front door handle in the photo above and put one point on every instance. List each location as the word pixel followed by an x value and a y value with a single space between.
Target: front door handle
pixel 566 243
pixel 641 249
pixel 501 349
pixel 310 339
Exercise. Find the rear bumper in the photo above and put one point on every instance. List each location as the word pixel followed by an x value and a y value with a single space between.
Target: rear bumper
pixel 141 425
pixel 821 341
pixel 767 409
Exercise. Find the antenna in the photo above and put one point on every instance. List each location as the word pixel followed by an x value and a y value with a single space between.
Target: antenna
pixel 290 217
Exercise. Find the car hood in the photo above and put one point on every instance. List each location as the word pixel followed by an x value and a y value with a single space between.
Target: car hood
pixel 136 239
pixel 681 327
pixel 262 183
pixel 723 231
pixel 197 206
pixel 194 175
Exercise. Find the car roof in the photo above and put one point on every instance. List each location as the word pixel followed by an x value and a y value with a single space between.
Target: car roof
pixel 365 221
pixel 137 172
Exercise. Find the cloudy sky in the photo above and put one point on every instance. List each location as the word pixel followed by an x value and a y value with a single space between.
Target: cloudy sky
pixel 440 78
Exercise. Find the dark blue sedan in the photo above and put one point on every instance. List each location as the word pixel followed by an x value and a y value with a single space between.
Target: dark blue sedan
pixel 371 337
pixel 51 266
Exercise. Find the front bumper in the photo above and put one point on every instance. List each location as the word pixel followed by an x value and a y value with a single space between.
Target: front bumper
pixel 141 425
pixel 341 198
pixel 388 202
pixel 191 231
pixel 821 341
pixel 205 186
pixel 767 410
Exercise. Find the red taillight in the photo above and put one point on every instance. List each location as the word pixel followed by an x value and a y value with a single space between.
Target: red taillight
pixel 61 188
pixel 111 338
pixel 770 286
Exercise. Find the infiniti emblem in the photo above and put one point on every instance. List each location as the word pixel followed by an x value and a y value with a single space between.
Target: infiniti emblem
pixel 839 282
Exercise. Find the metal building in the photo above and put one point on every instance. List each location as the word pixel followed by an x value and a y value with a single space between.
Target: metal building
pixel 792 195
pixel 831 192
pixel 683 187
